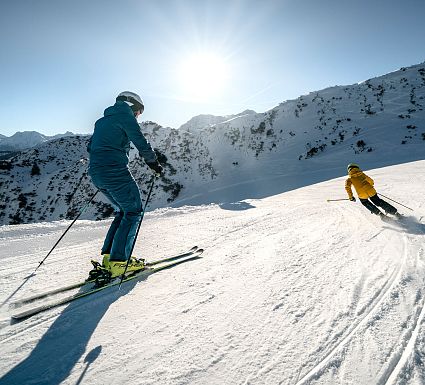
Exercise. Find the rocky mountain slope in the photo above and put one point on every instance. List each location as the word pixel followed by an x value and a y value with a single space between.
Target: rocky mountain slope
pixel 364 122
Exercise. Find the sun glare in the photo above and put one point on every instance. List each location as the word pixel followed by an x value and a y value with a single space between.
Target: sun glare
pixel 203 76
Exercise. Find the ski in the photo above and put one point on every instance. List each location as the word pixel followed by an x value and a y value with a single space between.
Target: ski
pixel 143 273
pixel 393 217
pixel 76 285
pixel 193 250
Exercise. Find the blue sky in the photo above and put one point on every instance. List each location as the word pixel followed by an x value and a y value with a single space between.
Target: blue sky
pixel 63 62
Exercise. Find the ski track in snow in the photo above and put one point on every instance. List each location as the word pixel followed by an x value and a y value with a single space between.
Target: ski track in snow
pixel 395 367
pixel 289 291
pixel 375 302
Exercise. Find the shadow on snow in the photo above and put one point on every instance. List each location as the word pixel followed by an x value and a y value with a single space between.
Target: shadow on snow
pixel 62 346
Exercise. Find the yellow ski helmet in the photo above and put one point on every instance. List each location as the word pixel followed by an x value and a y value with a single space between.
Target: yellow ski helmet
pixel 352 165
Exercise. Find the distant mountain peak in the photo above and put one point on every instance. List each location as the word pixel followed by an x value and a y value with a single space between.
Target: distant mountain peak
pixel 247 112
pixel 23 140
pixel 205 120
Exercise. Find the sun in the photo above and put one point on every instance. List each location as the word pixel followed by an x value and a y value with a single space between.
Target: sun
pixel 203 76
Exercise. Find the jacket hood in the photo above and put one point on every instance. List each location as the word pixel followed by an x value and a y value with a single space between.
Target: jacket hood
pixel 118 108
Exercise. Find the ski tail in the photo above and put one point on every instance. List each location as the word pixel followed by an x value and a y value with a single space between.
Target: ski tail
pixel 36 297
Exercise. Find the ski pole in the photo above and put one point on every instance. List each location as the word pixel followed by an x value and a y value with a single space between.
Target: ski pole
pixel 138 228
pixel 395 201
pixel 78 216
pixel 334 200
pixel 33 273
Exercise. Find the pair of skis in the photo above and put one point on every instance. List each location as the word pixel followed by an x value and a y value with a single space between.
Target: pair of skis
pixel 150 268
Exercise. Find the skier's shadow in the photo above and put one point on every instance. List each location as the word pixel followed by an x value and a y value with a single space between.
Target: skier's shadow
pixel 408 224
pixel 236 206
pixel 65 342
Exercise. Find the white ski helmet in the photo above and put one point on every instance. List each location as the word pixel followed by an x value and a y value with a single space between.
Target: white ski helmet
pixel 134 100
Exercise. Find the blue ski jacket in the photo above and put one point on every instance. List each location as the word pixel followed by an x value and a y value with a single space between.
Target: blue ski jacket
pixel 110 143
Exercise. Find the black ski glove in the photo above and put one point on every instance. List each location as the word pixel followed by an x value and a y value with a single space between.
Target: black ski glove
pixel 156 166
pixel 352 199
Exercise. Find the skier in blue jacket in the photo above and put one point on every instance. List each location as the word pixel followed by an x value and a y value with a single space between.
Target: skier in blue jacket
pixel 108 169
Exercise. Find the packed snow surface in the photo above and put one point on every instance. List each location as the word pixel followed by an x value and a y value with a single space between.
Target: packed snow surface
pixel 291 289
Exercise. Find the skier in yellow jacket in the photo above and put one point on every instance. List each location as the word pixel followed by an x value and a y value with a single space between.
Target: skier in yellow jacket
pixel 366 192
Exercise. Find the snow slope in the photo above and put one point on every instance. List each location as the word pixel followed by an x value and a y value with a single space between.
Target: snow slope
pixel 291 290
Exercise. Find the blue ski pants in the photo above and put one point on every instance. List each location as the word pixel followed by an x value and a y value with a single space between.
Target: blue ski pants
pixel 119 186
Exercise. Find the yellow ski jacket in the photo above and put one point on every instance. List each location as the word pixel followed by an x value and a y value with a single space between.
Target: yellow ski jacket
pixel 361 182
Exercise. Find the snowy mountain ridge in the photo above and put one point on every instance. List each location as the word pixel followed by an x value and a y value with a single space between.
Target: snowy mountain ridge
pixel 300 142
pixel 204 121
pixel 27 139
